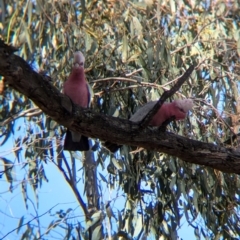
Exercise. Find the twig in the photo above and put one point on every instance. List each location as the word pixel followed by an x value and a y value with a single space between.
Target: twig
pixel 29 221
pixel 27 113
pixel 193 41
pixel 140 84
pixel 132 73
pixel 217 113
pixel 72 184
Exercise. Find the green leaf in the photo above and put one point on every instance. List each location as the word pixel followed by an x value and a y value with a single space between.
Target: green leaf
pixel 116 164
pixel 52 225
pixel 238 46
pixel 165 227
pixel 94 219
pixel 20 223
pixel 88 42
pixel 124 49
pixel 8 169
pixel 136 28
pixel 103 178
pixel 24 192
pixel 30 12
pixel 97 232
pixel 138 227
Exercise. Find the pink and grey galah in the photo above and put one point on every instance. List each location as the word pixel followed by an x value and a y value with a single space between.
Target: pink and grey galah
pixel 77 88
pixel 177 109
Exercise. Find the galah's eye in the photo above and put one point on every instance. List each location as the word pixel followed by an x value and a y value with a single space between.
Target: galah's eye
pixel 181 110
pixel 77 64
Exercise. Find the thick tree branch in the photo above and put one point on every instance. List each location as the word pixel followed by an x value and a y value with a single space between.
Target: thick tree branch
pixel 23 79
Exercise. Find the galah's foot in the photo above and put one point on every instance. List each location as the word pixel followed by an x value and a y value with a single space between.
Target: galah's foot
pixel 163 127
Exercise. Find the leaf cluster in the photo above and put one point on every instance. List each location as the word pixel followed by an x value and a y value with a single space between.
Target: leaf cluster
pixel 134 51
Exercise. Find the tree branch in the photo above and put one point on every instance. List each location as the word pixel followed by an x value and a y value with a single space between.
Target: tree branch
pixel 23 79
pixel 27 113
pixel 167 94
pixel 72 185
pixel 28 222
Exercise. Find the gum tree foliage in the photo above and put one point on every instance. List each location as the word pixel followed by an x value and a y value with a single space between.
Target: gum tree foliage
pixel 134 50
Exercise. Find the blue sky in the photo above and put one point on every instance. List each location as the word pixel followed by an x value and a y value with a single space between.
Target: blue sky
pixel 54 195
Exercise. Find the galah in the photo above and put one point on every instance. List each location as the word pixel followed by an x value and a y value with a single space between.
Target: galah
pixel 178 109
pixel 77 88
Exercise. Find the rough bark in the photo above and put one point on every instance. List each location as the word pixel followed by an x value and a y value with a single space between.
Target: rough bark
pixel 91 187
pixel 39 89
